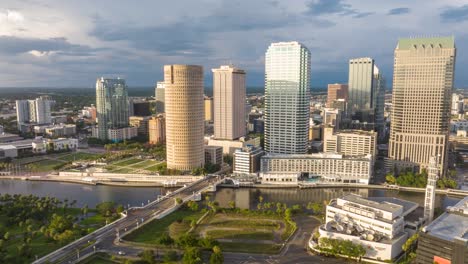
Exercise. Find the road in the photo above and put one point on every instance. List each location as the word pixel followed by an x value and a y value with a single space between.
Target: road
pixel 104 239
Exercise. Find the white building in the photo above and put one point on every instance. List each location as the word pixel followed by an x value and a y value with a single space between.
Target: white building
pixel 247 160
pixel 8 151
pixel 229 102
pixel 457 104
pixel 287 86
pixel 456 125
pixel 325 166
pixel 350 142
pixel 119 134
pixel 60 130
pixel 42 145
pixel 230 146
pixel 34 111
pixel 380 224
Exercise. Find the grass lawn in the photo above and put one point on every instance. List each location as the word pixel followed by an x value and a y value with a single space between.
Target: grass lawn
pixel 154 168
pixel 47 165
pixel 250 248
pixel 127 162
pixel 240 234
pixel 143 164
pixel 124 170
pixel 151 232
pixel 79 156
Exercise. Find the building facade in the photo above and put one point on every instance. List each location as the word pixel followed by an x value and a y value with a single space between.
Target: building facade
pixel 111 105
pixel 335 92
pixel 287 90
pixel 229 102
pixel 326 166
pixel 247 160
pixel 350 142
pixel 36 111
pixel 214 155
pixel 160 97
pixel 184 116
pixel 141 123
pixel 157 129
pixel 209 109
pixel 445 239
pixel 376 223
pixel 422 90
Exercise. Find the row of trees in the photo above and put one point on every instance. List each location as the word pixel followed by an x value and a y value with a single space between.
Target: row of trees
pixel 411 179
pixel 341 247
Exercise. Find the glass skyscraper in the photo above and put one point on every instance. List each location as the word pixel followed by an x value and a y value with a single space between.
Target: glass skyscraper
pixel 366 93
pixel 111 105
pixel 287 90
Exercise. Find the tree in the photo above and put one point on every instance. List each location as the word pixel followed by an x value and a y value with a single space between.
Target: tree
pixel 178 200
pixel 187 240
pixel 170 256
pixel 147 256
pixel 192 255
pixel 106 208
pixel 217 256
pixel 390 179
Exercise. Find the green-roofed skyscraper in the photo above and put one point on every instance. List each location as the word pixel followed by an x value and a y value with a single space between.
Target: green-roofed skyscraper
pixel 422 87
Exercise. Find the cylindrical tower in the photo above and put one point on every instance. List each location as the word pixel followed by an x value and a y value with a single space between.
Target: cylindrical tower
pixel 184 116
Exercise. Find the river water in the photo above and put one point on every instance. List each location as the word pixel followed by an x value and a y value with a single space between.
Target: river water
pixel 244 197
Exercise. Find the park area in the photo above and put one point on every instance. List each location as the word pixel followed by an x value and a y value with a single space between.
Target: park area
pixel 233 229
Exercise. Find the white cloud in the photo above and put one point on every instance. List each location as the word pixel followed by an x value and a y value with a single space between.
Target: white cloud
pixel 38 53
pixel 14 16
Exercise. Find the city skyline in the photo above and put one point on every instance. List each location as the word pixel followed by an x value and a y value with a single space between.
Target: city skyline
pixel 43 38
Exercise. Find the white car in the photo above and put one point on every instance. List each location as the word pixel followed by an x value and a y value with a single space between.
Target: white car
pixel 121 253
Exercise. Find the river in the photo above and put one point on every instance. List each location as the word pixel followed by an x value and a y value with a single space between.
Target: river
pixel 244 197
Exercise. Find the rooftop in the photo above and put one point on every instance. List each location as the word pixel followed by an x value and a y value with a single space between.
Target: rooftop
pixel 383 204
pixel 451 224
pixel 320 155
pixel 443 42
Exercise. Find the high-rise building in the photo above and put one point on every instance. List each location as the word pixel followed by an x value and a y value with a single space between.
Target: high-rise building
pixel 184 116
pixel 422 90
pixel 159 95
pixel 379 88
pixel 34 111
pixel 157 129
pixel 229 102
pixel 287 89
pixel 208 108
pixel 457 104
pixel 336 91
pixel 365 87
pixel 111 105
pixel 247 160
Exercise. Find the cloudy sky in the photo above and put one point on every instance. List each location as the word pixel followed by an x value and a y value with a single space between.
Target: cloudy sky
pixel 57 43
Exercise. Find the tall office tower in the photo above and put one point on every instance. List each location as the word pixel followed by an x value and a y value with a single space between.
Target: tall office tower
pixel 157 129
pixel 159 95
pixel 361 91
pixel 208 109
pixel 111 105
pixel 379 98
pixel 229 102
pixel 422 89
pixel 287 90
pixel 336 91
pixel 184 116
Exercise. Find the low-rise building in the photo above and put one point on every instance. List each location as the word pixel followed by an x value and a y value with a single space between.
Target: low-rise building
pixel 230 146
pixel 445 240
pixel 247 160
pixel 214 155
pixel 141 123
pixel 350 142
pixel 42 145
pixel 8 151
pixel 117 134
pixel 276 168
pixel 380 224
pixel 7 137
pixel 55 131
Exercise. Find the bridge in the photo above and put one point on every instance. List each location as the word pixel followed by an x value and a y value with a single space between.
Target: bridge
pixel 135 217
